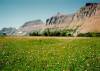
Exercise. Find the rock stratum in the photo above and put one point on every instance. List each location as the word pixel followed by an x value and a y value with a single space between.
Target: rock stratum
pixel 86 19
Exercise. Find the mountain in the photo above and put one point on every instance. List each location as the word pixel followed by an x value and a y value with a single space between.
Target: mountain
pixel 86 19
pixel 8 31
pixel 30 26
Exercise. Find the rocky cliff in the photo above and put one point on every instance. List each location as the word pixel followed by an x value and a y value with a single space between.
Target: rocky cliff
pixel 86 19
pixel 59 21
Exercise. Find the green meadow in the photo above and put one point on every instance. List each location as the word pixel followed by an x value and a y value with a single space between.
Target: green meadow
pixel 49 54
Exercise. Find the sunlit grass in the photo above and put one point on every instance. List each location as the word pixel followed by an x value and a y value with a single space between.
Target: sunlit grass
pixel 49 54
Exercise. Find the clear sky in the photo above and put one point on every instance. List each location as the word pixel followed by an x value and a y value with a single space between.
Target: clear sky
pixel 14 13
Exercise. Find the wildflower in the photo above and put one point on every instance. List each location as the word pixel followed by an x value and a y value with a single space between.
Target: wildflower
pixel 63 47
pixel 88 65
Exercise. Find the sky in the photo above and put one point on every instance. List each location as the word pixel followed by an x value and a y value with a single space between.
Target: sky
pixel 14 13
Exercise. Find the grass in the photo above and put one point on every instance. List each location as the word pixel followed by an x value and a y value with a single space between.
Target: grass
pixel 49 54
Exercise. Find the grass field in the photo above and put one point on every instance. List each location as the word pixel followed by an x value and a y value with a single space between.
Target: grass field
pixel 49 54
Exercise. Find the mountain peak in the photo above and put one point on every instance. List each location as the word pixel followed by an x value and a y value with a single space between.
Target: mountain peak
pixel 91 4
pixel 33 22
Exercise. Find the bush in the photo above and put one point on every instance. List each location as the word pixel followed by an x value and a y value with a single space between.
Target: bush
pixel 3 34
pixel 89 34
pixel 34 34
pixel 46 32
pixel 50 32
pixel 84 35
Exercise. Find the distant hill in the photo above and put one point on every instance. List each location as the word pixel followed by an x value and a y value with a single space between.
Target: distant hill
pixel 8 31
pixel 30 26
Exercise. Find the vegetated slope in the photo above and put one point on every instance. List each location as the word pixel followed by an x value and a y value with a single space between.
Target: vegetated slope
pixel 49 54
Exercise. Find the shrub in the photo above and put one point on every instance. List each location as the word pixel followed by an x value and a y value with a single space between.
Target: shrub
pixel 51 32
pixel 34 33
pixel 46 32
pixel 3 34
pixel 89 34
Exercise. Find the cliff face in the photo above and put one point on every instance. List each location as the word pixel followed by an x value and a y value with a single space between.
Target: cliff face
pixel 87 19
pixel 59 21
pixel 87 11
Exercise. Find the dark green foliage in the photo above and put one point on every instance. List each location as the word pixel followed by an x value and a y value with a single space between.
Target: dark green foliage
pixel 34 34
pixel 3 34
pixel 46 32
pixel 89 34
pixel 49 32
pixel 64 32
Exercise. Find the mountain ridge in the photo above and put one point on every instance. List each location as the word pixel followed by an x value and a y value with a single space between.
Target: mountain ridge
pixel 86 19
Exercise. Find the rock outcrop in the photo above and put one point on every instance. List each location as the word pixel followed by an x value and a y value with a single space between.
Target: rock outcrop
pixel 59 21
